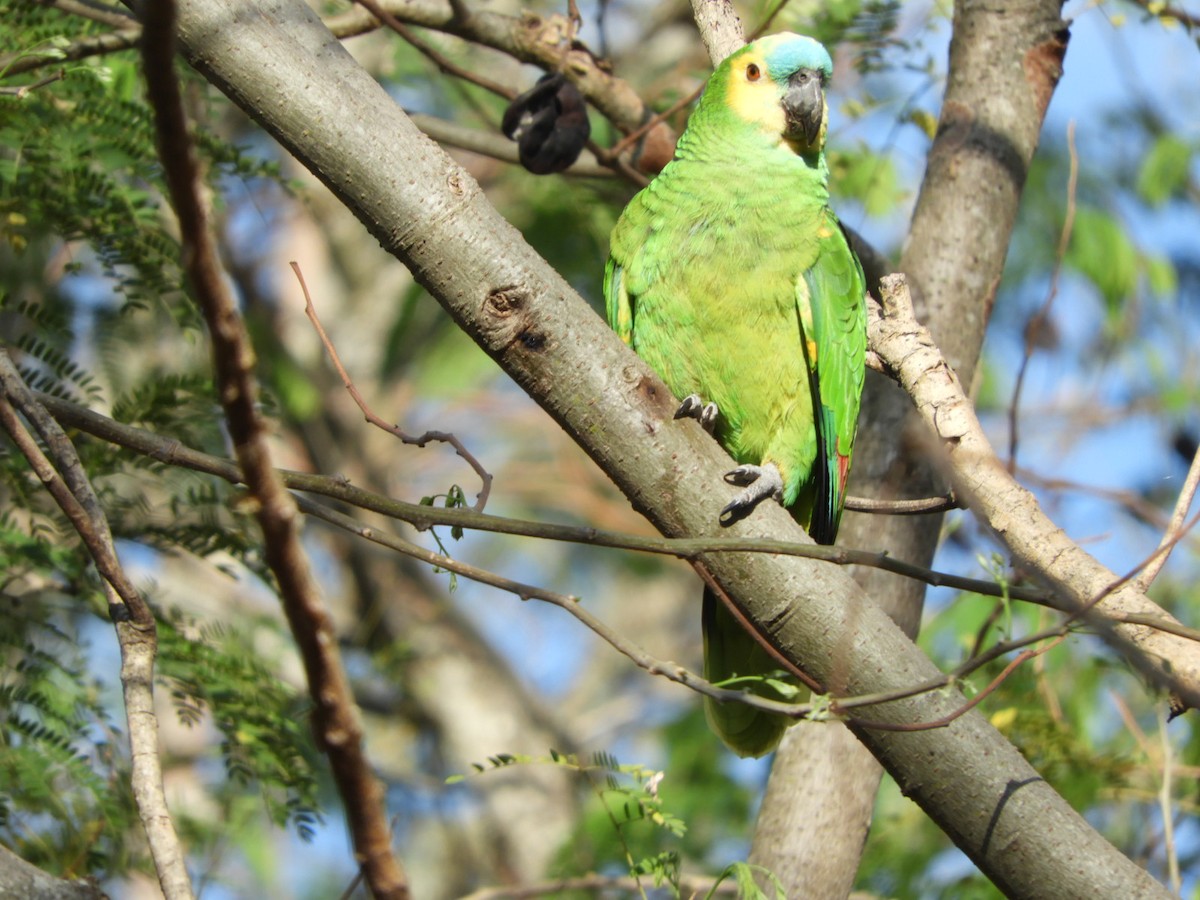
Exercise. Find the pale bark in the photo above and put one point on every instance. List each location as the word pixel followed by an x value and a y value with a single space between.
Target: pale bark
pixel 19 878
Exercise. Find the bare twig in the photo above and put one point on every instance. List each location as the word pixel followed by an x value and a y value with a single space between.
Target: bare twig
pixel 23 90
pixel 67 482
pixel 840 706
pixel 445 65
pixel 1175 529
pixel 1039 320
pixel 335 719
pixel 569 603
pixel 172 452
pixel 105 13
pixel 1165 801
pixel 945 720
pixel 96 45
pixel 421 440
pixel 768 21
pixel 653 122
pixel 920 507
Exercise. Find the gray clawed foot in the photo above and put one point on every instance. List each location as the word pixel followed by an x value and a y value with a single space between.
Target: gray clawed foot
pixel 760 483
pixel 693 407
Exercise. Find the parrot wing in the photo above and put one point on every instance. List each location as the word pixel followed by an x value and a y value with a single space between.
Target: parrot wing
pixel 616 300
pixel 829 296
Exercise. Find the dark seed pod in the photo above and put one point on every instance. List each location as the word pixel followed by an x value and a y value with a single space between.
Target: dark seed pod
pixel 549 123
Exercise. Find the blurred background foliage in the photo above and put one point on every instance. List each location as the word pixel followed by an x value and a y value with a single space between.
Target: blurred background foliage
pixel 450 673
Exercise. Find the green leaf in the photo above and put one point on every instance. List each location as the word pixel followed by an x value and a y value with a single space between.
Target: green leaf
pixel 1102 252
pixel 1164 172
pixel 863 175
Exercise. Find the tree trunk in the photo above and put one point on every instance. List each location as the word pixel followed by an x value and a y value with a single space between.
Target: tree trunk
pixel 1004 65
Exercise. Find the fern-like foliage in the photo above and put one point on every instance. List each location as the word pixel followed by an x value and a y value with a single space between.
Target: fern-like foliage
pixel 265 739
pixel 62 806
pixel 635 816
pixel 78 162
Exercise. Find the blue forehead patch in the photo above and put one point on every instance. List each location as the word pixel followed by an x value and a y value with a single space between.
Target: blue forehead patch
pixel 788 53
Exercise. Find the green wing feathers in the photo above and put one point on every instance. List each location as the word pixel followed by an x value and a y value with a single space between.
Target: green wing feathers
pixel 833 317
pixel 616 301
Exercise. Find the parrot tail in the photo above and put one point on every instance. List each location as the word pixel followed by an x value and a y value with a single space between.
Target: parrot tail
pixel 730 651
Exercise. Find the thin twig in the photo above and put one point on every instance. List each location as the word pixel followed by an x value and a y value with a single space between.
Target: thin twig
pixel 1130 577
pixel 768 21
pixel 570 604
pixel 681 675
pixel 945 720
pixel 104 13
pixel 335 718
pixel 446 437
pixel 446 65
pixel 653 122
pixel 22 90
pixel 82 48
pixel 919 507
pixel 1038 321
pixel 172 452
pixel 1175 528
pixel 1165 801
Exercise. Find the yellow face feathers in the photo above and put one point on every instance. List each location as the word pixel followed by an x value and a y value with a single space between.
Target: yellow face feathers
pixel 753 95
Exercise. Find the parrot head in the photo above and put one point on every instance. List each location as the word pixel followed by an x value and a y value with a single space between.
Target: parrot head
pixel 777 85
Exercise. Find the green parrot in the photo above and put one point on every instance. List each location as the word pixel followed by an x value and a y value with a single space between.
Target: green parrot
pixel 732 278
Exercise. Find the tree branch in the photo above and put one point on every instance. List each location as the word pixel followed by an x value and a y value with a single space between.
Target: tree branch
pixel 1175 528
pixel 1012 512
pixel 720 28
pixel 544 41
pixel 335 718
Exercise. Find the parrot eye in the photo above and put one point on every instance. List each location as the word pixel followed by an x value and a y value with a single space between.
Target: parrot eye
pixel 753 73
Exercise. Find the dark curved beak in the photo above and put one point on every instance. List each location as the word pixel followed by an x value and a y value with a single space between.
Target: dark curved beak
pixel 804 106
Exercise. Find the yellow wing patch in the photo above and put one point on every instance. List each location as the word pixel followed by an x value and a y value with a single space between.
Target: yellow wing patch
pixel 806 320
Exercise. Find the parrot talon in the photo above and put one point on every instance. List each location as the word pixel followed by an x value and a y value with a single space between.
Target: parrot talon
pixel 760 483
pixel 693 407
